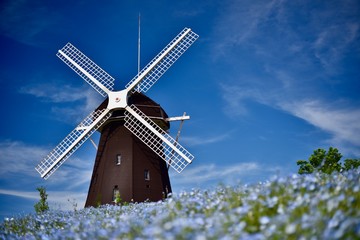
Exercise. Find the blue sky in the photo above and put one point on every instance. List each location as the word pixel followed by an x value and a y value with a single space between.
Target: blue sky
pixel 266 83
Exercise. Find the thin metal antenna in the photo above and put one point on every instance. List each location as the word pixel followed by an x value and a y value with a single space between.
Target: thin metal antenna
pixel 139 47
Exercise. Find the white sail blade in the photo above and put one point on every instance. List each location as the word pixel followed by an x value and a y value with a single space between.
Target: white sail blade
pixel 72 142
pixel 162 62
pixel 157 139
pixel 100 80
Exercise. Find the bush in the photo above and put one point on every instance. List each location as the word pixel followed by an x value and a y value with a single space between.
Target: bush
pixel 42 206
pixel 326 162
pixel 351 164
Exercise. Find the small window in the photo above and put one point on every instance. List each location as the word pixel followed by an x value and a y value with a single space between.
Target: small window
pixel 147 175
pixel 118 159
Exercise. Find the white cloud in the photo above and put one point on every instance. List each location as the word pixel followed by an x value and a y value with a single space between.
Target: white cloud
pixel 212 172
pixel 17 157
pixel 240 22
pixel 21 194
pixel 299 60
pixel 205 175
pixel 341 122
pixel 64 200
pixel 21 159
pixel 234 97
pixel 55 93
pixel 339 37
pixel 22 25
pixel 77 171
pixel 273 29
pixel 194 141
pixel 79 101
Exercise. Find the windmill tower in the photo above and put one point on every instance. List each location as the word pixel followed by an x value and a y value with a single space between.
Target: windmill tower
pixel 134 148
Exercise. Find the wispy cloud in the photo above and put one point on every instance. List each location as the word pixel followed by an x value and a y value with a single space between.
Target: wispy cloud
pixel 22 194
pixel 299 51
pixel 195 141
pixel 17 157
pixel 67 200
pixel 21 158
pixel 22 25
pixel 235 97
pixel 275 30
pixel 206 175
pixel 55 93
pixel 81 100
pixel 338 118
pixel 77 171
pixel 240 22
pixel 342 122
pixel 56 199
pixel 339 37
pixel 189 13
pixel 212 172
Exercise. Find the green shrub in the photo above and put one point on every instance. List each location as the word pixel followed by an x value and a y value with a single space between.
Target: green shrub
pixel 351 164
pixel 326 162
pixel 42 206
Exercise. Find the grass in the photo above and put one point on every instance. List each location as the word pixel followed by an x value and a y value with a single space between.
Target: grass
pixel 297 207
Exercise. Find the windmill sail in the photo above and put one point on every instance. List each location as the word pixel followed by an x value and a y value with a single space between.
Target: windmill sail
pixel 72 142
pixel 162 62
pixel 100 80
pixel 157 139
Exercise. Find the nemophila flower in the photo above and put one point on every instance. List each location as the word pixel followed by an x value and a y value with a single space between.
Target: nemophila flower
pixel 264 220
pixel 290 228
pixel 314 205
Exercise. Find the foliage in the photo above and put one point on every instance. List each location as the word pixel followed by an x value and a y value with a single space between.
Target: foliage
pixel 305 167
pixel 118 199
pixel 326 162
pixel 42 206
pixel 351 164
pixel 98 200
pixel 316 206
pixel 73 203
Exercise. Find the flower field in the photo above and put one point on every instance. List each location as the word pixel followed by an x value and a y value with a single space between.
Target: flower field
pixel 313 206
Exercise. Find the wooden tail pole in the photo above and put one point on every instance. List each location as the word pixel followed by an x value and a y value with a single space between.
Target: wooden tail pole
pixel 177 136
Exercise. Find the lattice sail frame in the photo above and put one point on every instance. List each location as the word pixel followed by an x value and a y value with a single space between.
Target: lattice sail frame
pixel 72 142
pixel 157 139
pixel 87 69
pixel 164 60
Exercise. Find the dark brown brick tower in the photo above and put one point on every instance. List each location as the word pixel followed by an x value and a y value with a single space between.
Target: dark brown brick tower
pixel 124 164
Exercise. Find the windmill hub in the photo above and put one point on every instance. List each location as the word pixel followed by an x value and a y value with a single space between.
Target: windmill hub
pixel 117 99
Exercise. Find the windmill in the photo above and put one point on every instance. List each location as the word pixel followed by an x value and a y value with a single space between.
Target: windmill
pixel 134 148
